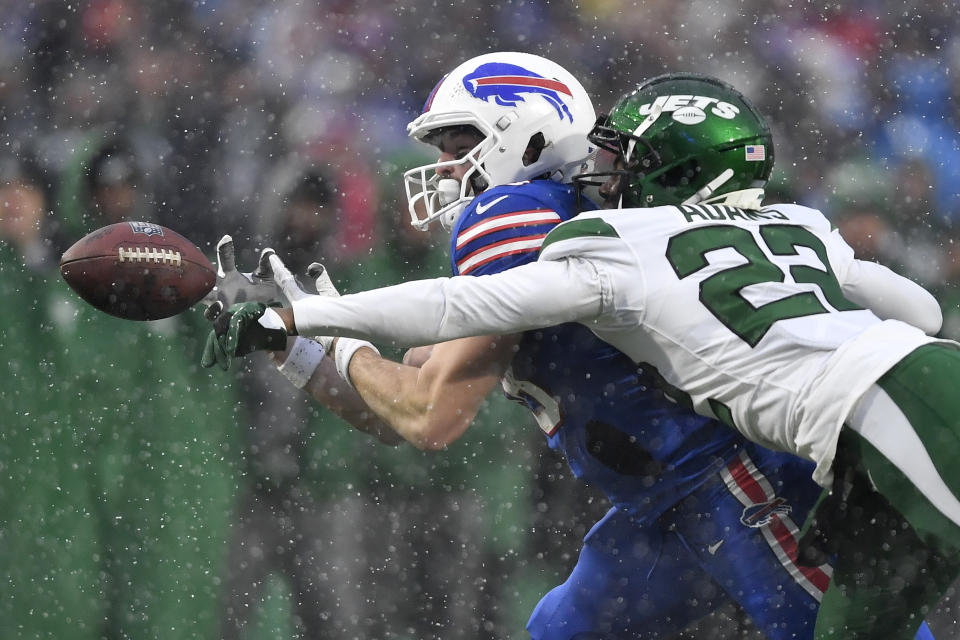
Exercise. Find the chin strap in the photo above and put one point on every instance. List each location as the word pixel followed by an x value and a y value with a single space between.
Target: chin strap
pixel 448 219
pixel 450 196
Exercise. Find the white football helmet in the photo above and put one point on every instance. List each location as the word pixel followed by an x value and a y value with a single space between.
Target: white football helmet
pixel 509 98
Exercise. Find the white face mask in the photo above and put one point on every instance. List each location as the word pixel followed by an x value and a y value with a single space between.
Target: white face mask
pixel 432 197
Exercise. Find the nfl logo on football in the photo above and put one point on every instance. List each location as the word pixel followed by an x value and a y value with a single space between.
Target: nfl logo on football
pixel 146 228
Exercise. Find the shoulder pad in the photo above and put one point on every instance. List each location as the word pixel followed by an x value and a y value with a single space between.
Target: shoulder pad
pixel 506 221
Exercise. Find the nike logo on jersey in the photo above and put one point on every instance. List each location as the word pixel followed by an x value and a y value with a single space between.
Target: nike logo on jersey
pixel 483 208
pixel 712 548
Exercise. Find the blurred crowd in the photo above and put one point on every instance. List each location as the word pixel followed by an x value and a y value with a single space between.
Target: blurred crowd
pixel 156 499
pixel 211 99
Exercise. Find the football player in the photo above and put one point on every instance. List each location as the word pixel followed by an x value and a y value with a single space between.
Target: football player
pixel 759 316
pixel 691 497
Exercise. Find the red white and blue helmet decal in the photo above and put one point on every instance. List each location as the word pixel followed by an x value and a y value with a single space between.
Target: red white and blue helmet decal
pixel 506 84
pixel 433 93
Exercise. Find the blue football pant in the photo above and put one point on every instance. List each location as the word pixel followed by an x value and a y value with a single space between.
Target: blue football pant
pixel 732 540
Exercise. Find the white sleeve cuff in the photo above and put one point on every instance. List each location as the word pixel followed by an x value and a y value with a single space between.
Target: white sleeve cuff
pixel 271 320
pixel 539 294
pixel 343 354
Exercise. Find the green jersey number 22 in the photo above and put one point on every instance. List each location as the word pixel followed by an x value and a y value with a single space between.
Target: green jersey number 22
pixel 720 293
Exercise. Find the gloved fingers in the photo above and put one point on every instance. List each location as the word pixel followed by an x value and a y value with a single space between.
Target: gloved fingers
pixel 316 270
pixel 209 357
pixel 237 338
pixel 226 256
pixel 264 270
pixel 231 337
pixel 223 358
pixel 321 277
pixel 285 279
pixel 221 323
pixel 213 311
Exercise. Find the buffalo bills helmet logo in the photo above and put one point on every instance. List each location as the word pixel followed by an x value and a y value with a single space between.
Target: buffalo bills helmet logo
pixel 506 84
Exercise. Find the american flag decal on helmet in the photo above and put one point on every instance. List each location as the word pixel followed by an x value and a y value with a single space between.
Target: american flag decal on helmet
pixel 756 152
pixel 506 83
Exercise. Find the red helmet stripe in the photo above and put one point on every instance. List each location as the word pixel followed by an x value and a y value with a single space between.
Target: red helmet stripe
pixel 526 81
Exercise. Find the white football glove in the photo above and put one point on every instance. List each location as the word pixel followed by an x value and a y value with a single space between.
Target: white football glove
pixel 271 263
pixel 321 278
pixel 305 354
pixel 345 347
pixel 234 286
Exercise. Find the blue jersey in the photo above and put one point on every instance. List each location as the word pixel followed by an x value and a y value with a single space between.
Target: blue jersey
pixel 606 415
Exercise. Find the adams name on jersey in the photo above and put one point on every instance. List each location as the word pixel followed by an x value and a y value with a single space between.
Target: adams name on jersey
pixel 737 309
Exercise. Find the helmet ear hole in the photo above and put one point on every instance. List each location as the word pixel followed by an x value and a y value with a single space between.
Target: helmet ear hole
pixel 534 148
pixel 680 174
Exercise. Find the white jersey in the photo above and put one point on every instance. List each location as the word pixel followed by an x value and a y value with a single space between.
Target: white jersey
pixel 752 314
pixel 744 312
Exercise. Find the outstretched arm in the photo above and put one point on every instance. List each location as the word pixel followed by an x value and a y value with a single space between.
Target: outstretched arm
pixel 327 387
pixel 429 403
pixel 432 405
pixel 422 312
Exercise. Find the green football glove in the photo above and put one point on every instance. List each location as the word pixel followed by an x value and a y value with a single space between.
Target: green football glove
pixel 243 328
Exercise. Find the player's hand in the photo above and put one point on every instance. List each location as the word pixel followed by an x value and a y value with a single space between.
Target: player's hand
pixel 234 286
pixel 242 329
pixel 292 289
pixel 271 266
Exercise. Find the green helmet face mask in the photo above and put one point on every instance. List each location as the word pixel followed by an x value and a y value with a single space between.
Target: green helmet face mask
pixel 682 139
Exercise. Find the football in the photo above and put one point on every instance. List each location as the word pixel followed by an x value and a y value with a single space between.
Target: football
pixel 138 271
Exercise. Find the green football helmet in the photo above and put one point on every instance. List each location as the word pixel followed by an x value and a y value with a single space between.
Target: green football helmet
pixel 682 138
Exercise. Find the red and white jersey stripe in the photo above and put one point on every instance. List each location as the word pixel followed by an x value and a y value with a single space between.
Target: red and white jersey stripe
pixel 499 250
pixel 752 489
pixel 507 220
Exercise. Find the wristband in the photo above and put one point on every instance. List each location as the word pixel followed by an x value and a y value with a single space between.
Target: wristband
pixel 302 361
pixel 346 347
